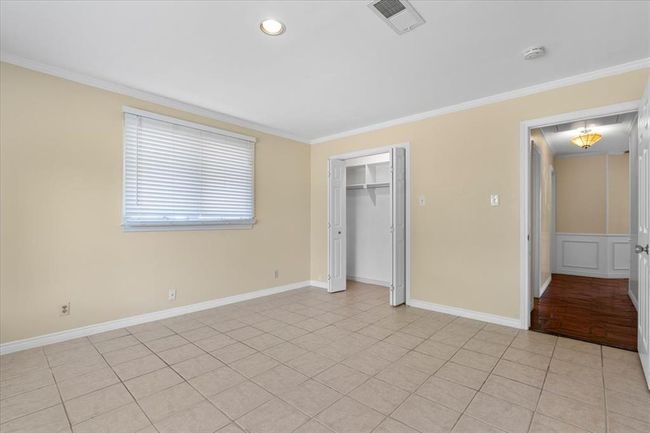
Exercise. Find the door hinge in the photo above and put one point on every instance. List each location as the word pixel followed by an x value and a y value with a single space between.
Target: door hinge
pixel 328 277
pixel 392 288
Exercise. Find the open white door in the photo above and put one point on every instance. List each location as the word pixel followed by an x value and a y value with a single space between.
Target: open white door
pixel 641 248
pixel 336 225
pixel 398 226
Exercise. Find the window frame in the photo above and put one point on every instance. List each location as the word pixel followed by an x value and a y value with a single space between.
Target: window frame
pixel 183 225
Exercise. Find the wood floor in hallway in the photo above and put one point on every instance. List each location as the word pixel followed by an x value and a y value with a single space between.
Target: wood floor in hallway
pixel 596 310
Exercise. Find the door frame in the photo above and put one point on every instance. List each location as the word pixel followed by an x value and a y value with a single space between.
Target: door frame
pixel 366 152
pixel 525 185
pixel 536 220
pixel 553 218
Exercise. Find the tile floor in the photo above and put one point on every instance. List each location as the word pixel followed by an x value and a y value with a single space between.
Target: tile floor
pixel 309 362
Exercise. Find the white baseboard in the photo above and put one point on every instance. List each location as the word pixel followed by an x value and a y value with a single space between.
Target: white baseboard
pixel 469 314
pixel 545 286
pixel 589 274
pixel 57 337
pixel 369 281
pixel 319 284
pixel 635 302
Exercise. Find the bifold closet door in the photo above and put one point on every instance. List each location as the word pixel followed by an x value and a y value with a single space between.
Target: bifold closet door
pixel 398 225
pixel 337 272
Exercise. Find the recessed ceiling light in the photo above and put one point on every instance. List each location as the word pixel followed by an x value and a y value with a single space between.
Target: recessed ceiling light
pixel 272 27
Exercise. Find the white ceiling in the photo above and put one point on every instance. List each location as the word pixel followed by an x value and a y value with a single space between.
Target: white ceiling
pixel 614 129
pixel 338 67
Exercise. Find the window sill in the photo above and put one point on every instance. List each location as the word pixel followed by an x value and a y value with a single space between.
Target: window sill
pixel 185 227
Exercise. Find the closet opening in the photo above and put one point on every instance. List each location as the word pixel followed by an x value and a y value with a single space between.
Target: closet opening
pixel 368 222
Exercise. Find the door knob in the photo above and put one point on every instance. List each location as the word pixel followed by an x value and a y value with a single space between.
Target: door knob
pixel 641 249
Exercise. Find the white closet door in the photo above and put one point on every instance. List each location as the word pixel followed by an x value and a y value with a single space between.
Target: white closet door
pixel 336 225
pixel 398 226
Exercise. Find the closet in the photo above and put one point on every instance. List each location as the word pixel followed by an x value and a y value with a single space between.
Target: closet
pixel 367 222
pixel 368 219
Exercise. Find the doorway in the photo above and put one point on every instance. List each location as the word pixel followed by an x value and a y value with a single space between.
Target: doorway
pixel 615 262
pixel 368 221
pixel 580 271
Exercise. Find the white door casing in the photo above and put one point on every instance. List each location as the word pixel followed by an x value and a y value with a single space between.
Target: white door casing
pixel 643 158
pixel 536 222
pixel 525 189
pixel 398 225
pixel 337 226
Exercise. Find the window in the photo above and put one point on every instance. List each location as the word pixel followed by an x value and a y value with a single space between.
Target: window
pixel 181 174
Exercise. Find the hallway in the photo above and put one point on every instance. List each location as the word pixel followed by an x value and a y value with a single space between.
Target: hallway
pixel 596 310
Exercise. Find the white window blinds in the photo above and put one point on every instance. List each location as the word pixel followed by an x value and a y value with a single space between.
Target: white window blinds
pixel 178 173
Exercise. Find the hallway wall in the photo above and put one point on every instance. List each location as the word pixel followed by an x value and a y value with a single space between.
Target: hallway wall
pixel 547 203
pixel 593 194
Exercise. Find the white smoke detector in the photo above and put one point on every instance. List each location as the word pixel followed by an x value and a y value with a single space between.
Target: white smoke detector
pixel 398 14
pixel 534 52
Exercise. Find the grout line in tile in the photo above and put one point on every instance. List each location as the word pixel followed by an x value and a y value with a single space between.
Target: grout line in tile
pixel 56 382
pixel 127 389
pixel 287 304
pixel 478 390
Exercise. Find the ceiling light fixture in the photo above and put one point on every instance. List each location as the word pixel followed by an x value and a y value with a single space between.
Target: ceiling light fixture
pixel 586 138
pixel 272 27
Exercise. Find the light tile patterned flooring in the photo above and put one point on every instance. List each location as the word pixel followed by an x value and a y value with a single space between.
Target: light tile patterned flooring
pixel 309 362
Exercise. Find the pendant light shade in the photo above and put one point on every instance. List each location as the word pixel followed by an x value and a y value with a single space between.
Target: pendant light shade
pixel 586 139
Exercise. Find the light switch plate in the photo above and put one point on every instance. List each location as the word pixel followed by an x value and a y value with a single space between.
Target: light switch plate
pixel 494 200
pixel 422 200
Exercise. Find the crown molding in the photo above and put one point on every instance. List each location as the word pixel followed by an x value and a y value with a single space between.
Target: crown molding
pixel 499 97
pixel 142 95
pixel 215 115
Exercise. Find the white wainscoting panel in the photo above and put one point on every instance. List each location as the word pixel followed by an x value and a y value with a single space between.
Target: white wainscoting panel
pixel 592 255
pixel 620 251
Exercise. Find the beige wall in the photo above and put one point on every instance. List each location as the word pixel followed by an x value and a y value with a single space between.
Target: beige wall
pixel 547 203
pixel 464 252
pixel 593 194
pixel 618 194
pixel 60 187
pixel 61 190
pixel 581 194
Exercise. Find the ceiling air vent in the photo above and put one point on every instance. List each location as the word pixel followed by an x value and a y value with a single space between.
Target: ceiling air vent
pixel 398 14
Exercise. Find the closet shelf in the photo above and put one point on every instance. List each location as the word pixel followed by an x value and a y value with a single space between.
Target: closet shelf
pixel 369 185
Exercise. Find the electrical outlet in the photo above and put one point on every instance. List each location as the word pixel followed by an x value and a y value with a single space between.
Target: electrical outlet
pixel 171 296
pixel 64 310
pixel 276 274
pixel 495 200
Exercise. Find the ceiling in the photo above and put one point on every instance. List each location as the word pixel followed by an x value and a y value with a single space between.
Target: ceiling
pixel 614 129
pixel 338 67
